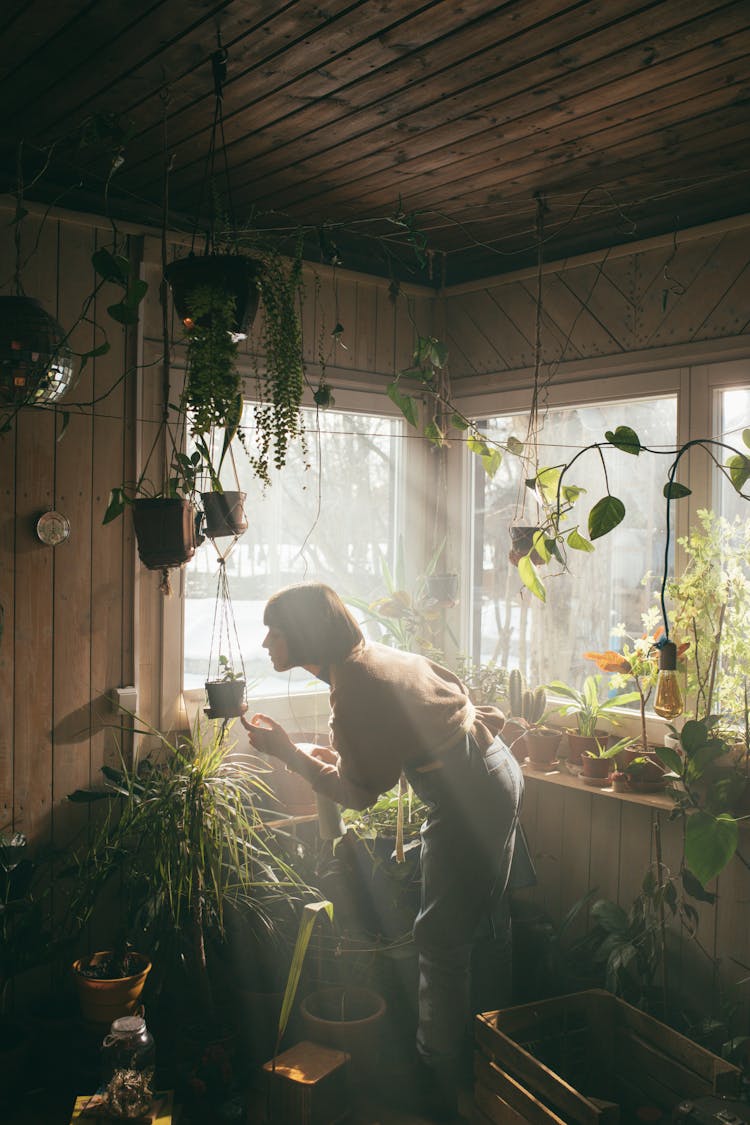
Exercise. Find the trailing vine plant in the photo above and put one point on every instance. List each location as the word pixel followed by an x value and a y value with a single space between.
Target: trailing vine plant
pixel 281 379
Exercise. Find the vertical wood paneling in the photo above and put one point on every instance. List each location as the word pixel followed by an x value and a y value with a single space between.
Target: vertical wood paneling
pixel 547 847
pixel 71 730
pixel 34 575
pixel 109 466
pixel 7 569
pixel 365 326
pixel 575 878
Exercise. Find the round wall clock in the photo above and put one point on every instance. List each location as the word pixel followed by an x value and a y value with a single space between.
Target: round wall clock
pixel 53 528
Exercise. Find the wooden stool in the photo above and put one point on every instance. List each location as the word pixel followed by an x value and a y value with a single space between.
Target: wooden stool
pixel 308 1085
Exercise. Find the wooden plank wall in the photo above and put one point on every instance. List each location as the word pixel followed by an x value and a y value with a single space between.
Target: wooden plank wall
pixel 68 610
pixel 608 306
pixel 581 839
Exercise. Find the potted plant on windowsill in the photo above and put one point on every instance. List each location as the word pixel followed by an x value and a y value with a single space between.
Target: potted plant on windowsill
pixel 527 706
pixel 598 765
pixel 589 710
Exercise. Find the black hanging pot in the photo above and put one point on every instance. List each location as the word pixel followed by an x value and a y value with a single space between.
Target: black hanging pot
pixel 224 512
pixel 226 698
pixel 521 542
pixel 36 366
pixel 165 531
pixel 235 274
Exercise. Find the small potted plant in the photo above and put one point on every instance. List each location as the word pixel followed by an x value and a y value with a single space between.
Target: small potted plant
pixel 226 691
pixel 539 742
pixel 589 710
pixel 598 765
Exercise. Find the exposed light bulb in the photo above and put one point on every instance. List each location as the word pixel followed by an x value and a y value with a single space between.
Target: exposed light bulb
pixel 668 702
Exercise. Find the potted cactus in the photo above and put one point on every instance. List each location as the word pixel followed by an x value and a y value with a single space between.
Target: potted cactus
pixel 529 706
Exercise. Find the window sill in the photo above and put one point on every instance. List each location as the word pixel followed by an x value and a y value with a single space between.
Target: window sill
pixel 552 776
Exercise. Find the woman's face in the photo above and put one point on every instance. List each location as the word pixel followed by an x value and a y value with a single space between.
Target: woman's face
pixel 278 650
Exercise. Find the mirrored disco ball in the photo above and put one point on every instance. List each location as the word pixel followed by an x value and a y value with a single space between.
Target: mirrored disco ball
pixel 35 365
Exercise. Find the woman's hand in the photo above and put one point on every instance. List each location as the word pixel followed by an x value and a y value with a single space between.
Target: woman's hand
pixel 324 754
pixel 269 737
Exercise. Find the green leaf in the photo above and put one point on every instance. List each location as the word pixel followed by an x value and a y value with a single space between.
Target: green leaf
pixel 671 759
pixel 415 373
pixel 111 267
pixel 539 544
pixel 530 578
pixel 577 542
pixel 514 446
pixel 746 437
pixel 694 734
pixel 571 492
pixel 710 843
pixel 673 490
pixel 115 505
pixel 65 424
pixel 434 434
pixel 123 313
pixel 625 439
pixel 438 353
pixel 491 461
pixel 309 914
pixel 610 916
pixel 694 888
pixel 547 481
pixel 406 404
pixel 459 422
pixel 605 515
pixel 739 469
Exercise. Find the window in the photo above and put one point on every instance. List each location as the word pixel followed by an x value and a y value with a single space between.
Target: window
pixel 546 641
pixel 734 413
pixel 333 527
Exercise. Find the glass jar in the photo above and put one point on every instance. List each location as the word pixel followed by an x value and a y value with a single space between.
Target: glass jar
pixel 128 1046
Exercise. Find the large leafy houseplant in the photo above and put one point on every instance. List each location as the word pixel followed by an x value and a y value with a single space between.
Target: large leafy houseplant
pixel 586 703
pixel 184 839
pixel 710 610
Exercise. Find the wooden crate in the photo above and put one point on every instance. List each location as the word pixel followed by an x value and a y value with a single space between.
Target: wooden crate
pixel 587 1059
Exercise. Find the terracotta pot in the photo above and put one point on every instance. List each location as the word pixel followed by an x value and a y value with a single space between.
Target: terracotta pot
pixel 234 273
pixel 224 512
pixel 578 744
pixel 646 776
pixel 595 771
pixel 541 745
pixel 226 698
pixel 349 1019
pixel 102 1001
pixel 165 531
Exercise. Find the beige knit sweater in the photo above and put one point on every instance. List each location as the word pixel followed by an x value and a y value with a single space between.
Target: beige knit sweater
pixel 391 710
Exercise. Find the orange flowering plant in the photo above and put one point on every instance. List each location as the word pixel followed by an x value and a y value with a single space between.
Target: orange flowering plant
pixel 637 661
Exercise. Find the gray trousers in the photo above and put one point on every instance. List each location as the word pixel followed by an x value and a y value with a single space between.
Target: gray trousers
pixel 467 847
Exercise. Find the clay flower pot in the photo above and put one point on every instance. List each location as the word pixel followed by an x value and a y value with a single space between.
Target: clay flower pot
pixel 103 1000
pixel 579 744
pixel 541 744
pixel 226 698
pixel 595 771
pixel 224 513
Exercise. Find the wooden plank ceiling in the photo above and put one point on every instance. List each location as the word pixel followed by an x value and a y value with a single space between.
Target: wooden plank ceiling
pixel 626 119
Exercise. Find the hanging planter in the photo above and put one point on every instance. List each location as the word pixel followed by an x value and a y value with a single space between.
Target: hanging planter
pixel 521 542
pixel 225 683
pixel 233 275
pixel 165 531
pixel 224 513
pixel 36 366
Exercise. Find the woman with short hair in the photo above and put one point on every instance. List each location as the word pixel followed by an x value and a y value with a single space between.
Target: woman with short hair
pixel 394 712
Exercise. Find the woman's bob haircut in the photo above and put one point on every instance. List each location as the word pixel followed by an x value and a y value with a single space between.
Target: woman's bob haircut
pixel 317 626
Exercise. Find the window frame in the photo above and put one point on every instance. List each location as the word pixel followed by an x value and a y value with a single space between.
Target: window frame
pixel 697 389
pixel 299 710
